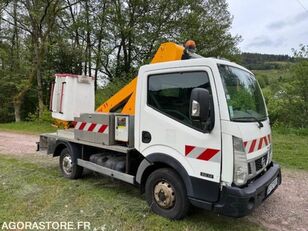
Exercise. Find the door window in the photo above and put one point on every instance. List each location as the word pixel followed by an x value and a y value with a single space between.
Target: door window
pixel 170 94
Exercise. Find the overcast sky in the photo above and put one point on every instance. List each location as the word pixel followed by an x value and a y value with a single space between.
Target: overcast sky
pixel 270 26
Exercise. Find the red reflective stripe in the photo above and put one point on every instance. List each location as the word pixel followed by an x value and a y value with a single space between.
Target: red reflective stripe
pixel 245 144
pixel 188 149
pixel 252 146
pixel 102 128
pixel 61 97
pixel 208 154
pixel 260 143
pixel 92 126
pixel 83 124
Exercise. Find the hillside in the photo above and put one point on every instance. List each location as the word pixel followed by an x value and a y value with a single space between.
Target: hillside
pixel 256 61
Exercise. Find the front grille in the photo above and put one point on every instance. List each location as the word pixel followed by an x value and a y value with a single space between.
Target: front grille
pixel 261 162
pixel 257 165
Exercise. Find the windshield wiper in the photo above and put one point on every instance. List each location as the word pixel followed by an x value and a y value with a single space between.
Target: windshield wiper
pixel 250 117
pixel 255 118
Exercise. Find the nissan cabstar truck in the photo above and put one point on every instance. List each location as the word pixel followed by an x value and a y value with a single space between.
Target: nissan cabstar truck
pixel 187 131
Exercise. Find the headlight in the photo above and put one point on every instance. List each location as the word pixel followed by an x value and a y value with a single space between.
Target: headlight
pixel 240 172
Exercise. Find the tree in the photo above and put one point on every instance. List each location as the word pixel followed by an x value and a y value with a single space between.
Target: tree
pixel 41 18
pixel 136 28
pixel 109 39
pixel 35 20
pixel 288 105
pixel 300 86
pixel 208 23
pixel 302 52
pixel 13 75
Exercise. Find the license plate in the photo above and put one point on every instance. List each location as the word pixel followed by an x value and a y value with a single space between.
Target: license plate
pixel 272 186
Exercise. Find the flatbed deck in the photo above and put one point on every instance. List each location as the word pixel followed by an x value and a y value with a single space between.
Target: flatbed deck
pixel 68 135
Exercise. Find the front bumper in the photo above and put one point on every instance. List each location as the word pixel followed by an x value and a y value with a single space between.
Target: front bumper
pixel 238 202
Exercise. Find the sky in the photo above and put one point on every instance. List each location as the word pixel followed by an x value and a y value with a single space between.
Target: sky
pixel 270 26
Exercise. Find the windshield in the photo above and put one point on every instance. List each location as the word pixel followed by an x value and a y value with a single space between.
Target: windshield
pixel 243 94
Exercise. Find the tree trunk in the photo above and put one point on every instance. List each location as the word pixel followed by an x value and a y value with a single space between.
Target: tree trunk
pixel 38 74
pixel 17 107
pixel 40 94
pixel 78 66
pixel 15 64
pixel 98 58
pixel 88 38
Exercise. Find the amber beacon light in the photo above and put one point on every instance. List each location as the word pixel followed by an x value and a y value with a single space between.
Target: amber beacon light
pixel 190 44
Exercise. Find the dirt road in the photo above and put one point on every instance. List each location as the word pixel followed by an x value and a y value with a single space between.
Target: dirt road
pixel 19 144
pixel 286 209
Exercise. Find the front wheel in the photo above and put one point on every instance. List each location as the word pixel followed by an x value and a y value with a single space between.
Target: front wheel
pixel 68 168
pixel 166 194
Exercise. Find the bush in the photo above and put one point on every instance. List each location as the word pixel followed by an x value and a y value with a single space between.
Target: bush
pixel 288 104
pixel 46 116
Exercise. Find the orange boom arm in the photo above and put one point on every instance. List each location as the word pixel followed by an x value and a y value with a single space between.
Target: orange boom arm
pixel 124 99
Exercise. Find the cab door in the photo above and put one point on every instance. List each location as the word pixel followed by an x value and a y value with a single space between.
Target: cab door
pixel 163 123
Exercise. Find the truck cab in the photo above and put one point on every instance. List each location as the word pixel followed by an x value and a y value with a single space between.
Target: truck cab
pixel 196 132
pixel 208 116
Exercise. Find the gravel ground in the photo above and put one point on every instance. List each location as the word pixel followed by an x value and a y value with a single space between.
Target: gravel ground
pixel 286 209
pixel 19 144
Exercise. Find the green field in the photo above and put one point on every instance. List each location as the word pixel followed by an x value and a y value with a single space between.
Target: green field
pixel 290 150
pixel 33 191
pixel 28 127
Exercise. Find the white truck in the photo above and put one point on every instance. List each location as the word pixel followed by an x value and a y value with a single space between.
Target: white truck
pixel 199 134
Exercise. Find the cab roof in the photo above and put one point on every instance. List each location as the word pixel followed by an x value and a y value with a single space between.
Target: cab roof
pixel 211 62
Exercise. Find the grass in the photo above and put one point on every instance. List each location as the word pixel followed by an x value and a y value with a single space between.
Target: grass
pixel 28 127
pixel 290 148
pixel 271 79
pixel 273 73
pixel 33 191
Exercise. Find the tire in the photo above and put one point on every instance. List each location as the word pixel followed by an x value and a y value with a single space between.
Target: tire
pixel 68 168
pixel 166 195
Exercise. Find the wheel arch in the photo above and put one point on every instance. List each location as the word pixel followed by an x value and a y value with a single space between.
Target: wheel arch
pixel 73 148
pixel 58 149
pixel 160 160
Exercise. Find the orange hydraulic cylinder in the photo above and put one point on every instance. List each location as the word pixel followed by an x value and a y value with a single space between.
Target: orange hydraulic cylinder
pixel 118 98
pixel 168 51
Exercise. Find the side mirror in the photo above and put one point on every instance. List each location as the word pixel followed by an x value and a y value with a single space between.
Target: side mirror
pixel 199 104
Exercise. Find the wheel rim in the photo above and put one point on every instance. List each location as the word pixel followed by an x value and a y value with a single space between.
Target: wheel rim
pixel 164 195
pixel 67 164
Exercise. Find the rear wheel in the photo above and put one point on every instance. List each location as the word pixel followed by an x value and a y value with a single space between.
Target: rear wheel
pixel 166 194
pixel 68 168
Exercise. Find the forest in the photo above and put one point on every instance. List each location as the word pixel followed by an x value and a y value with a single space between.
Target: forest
pixel 105 39
pixel 255 61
